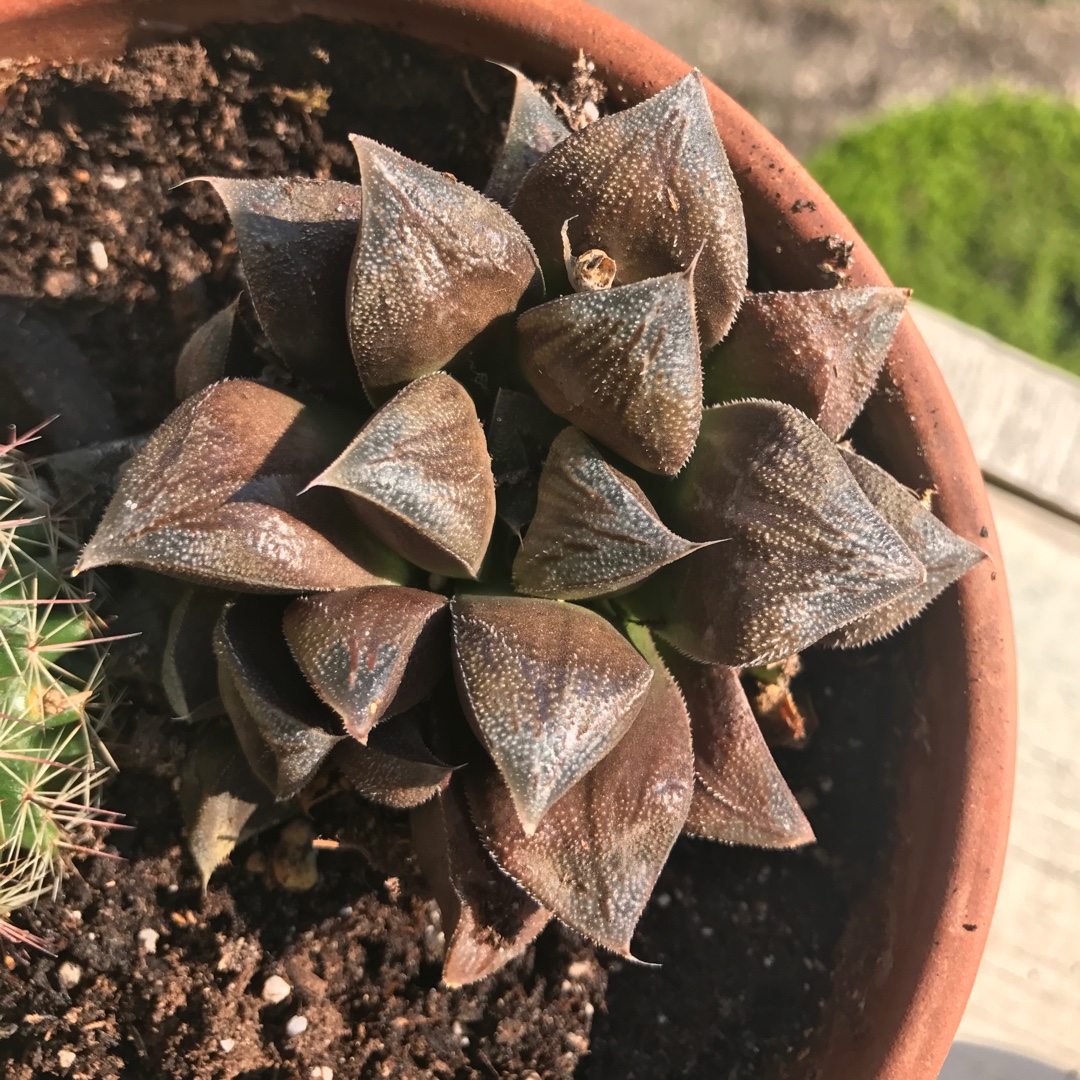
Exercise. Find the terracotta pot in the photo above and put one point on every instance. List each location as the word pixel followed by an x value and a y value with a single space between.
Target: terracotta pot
pixel 909 956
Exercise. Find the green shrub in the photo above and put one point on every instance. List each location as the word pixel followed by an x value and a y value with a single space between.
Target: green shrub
pixel 975 203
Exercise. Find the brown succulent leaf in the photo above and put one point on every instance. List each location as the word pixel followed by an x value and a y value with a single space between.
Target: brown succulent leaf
pixel 945 555
pixel 533 129
pixel 203 359
pixel 596 855
pixel 739 795
pixel 805 552
pixel 821 351
pixel 622 364
pixel 222 800
pixel 212 497
pixel 650 186
pixel 188 666
pixel 370 653
pixel 436 263
pixel 395 767
pixel 285 731
pixel 488 919
pixel 548 687
pixel 296 239
pixel 420 477
pixel 594 532
pixel 520 434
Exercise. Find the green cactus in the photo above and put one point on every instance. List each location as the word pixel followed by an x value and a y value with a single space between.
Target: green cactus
pixel 52 762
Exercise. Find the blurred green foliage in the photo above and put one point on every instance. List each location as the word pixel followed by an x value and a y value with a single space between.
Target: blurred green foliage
pixel 975 204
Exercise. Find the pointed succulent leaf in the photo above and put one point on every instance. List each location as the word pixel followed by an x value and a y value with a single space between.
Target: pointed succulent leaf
pixel 203 359
pixel 435 264
pixel 534 128
pixel 821 351
pixel 487 918
pixel 805 550
pixel 222 800
pixel 285 731
pixel 189 667
pixel 519 436
pixel 622 364
pixel 739 795
pixel 296 239
pixel 650 186
pixel 594 531
pixel 596 855
pixel 549 688
pixel 370 653
pixel 211 497
pixel 421 478
pixel 395 767
pixel 945 555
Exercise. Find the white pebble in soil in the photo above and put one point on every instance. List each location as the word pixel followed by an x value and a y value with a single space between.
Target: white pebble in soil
pixel 99 258
pixel 66 1058
pixel 226 1045
pixel 148 939
pixel 296 1025
pixel 275 990
pixel 322 1072
pixel 69 975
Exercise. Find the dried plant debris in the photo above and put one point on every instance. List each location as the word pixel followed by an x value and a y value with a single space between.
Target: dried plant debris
pixel 523 596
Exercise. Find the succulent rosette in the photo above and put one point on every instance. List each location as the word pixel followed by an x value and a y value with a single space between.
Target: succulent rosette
pixel 592 480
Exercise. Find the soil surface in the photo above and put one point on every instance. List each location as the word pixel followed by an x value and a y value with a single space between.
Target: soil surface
pixel 114 267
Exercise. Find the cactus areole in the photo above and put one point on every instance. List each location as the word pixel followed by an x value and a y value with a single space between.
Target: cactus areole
pixel 596 480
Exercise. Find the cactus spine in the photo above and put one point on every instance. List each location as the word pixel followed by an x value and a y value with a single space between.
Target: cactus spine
pixel 51 652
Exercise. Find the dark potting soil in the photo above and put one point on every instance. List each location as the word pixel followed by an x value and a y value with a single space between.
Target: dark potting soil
pixel 104 271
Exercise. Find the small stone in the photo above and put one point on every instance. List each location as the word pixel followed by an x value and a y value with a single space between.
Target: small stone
pixel 58 283
pixel 322 1072
pixel 69 975
pixel 226 1045
pixel 148 939
pixel 275 990
pixel 66 1058
pixel 297 1025
pixel 99 257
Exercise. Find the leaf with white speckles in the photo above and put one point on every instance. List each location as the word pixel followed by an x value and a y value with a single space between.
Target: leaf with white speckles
pixel 651 186
pixel 370 653
pixel 420 477
pixel 549 688
pixel 945 555
pixel 533 129
pixel 739 795
pixel 285 731
pixel 821 351
pixel 435 264
pixel 296 239
pixel 806 551
pixel 395 768
pixel 204 357
pixel 622 364
pixel 487 918
pixel 595 857
pixel 594 531
pixel 212 498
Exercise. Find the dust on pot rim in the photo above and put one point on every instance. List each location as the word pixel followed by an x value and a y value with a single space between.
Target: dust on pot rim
pixel 910 953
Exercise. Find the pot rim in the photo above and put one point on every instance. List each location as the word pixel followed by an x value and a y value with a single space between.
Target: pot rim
pixel 891 1016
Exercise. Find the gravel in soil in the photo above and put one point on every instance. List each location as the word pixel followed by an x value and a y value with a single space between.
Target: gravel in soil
pixel 152 978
